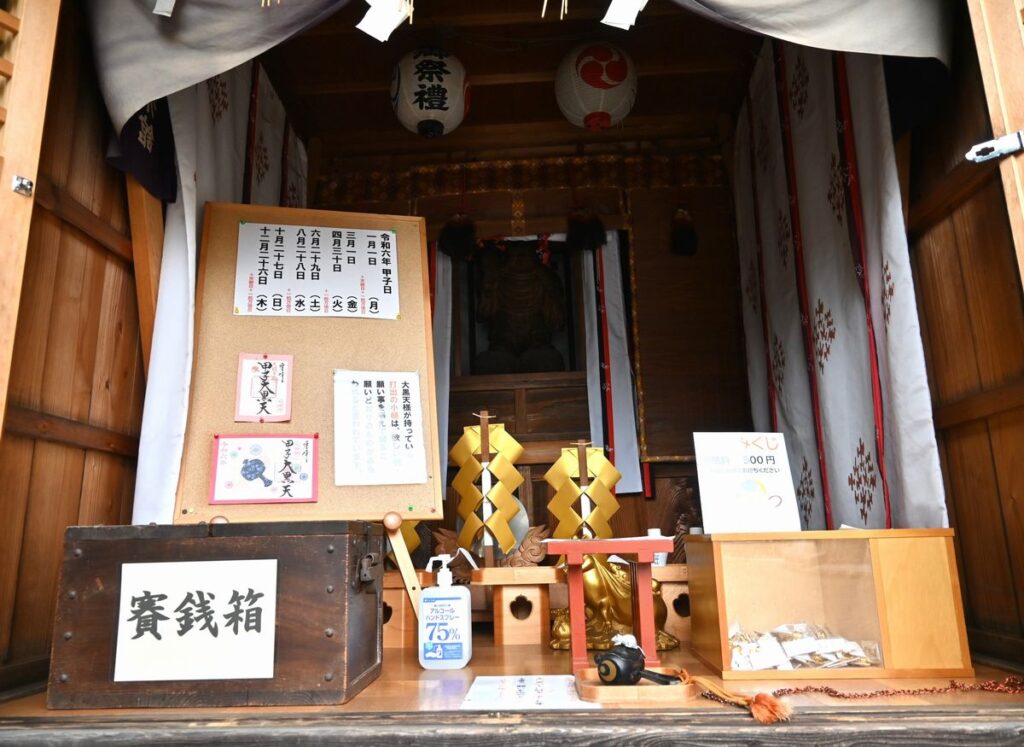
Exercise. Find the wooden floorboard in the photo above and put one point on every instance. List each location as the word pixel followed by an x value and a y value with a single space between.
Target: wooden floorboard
pixel 408 704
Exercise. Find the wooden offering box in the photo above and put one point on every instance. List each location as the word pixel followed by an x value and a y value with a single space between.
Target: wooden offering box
pixel 898 588
pixel 326 632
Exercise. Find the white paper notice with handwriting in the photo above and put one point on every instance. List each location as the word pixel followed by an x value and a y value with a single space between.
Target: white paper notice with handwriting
pixel 535 692
pixel 745 483
pixel 378 428
pixel 196 620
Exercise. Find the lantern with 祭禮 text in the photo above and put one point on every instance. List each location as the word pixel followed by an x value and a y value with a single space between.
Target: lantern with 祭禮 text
pixel 429 92
pixel 596 85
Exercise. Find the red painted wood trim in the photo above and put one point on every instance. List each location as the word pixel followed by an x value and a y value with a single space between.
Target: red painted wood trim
pixel 855 224
pixel 782 91
pixel 605 358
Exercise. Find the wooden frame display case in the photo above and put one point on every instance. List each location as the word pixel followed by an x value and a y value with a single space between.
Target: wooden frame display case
pixel 897 588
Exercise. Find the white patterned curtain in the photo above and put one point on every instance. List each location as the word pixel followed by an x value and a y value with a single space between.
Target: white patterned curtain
pixel 834 348
pixel 230 145
pixel 142 56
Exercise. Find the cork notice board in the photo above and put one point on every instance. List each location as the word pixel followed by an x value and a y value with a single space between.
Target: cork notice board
pixel 318 345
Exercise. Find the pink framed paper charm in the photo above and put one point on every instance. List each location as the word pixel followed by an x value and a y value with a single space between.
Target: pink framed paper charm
pixel 264 468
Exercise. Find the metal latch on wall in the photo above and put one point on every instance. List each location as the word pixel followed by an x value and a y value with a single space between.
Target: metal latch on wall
pixel 997 147
pixel 22 185
pixel 370 568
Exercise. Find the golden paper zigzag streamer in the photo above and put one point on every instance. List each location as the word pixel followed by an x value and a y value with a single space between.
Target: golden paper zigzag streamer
pixel 411 537
pixel 465 453
pixel 561 477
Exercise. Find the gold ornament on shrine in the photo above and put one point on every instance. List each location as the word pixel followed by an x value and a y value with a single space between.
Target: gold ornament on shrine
pixel 583 475
pixel 411 537
pixel 493 446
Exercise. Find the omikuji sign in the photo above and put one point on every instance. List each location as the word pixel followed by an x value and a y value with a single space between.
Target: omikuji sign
pixel 745 483
pixel 203 620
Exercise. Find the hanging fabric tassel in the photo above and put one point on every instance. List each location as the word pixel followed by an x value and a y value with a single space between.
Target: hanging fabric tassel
pixel 684 235
pixel 765 708
pixel 458 237
pixel 585 230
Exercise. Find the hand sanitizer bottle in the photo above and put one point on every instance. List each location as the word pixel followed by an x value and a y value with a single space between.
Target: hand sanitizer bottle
pixel 445 620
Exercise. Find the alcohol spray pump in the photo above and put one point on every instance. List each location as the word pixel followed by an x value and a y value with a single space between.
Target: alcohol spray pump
pixel 445 619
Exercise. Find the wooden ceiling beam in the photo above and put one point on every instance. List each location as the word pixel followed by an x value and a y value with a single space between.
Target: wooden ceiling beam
pixel 699 127
pixel 342 87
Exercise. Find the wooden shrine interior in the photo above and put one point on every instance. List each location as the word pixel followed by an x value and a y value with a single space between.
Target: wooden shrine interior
pixel 333 80
pixel 70 442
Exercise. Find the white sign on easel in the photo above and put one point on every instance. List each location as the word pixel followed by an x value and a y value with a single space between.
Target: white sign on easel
pixel 745 483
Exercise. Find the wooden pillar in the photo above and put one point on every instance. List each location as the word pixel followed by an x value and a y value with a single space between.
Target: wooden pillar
pixel 147 225
pixel 32 27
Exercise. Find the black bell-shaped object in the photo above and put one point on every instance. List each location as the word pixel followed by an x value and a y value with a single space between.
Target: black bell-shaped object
pixel 623 664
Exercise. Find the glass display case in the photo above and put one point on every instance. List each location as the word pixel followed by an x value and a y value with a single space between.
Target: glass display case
pixel 848 603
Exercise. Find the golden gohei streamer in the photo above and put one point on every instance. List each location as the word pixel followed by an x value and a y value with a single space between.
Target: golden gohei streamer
pixel 501 464
pixel 564 477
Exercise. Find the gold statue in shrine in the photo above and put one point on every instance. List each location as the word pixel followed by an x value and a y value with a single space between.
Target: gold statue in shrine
pixel 609 604
pixel 586 475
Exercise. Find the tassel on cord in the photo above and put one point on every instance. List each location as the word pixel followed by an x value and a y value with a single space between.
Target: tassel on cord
pixel 458 236
pixel 684 235
pixel 585 231
pixel 765 708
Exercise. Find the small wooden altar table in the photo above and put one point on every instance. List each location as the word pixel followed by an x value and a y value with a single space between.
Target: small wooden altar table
pixel 639 576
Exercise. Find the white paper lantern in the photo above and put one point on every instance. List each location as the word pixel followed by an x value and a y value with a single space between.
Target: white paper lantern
pixel 429 92
pixel 596 85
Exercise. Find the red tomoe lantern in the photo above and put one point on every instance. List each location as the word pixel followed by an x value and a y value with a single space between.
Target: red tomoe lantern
pixel 596 85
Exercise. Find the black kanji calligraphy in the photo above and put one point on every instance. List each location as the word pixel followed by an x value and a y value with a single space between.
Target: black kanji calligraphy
pixel 146 615
pixel 250 618
pixel 431 70
pixel 432 97
pixel 196 609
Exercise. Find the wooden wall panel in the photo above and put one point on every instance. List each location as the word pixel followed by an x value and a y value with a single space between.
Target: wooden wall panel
pixel 77 357
pixel 501 404
pixel 54 495
pixel 15 470
pixel 30 341
pixel 1006 432
pixel 992 288
pixel 973 488
pixel 118 379
pixel 27 51
pixel 970 299
pixel 943 308
pixel 105 479
pixel 690 354
pixel 562 410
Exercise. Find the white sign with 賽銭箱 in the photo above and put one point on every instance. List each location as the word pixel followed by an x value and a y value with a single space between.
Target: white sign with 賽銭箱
pixel 745 483
pixel 310 271
pixel 378 428
pixel 196 620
